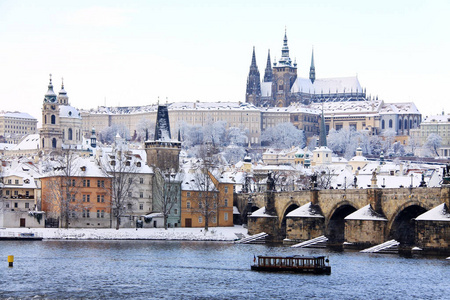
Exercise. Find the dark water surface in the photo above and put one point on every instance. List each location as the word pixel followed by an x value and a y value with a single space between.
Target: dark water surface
pixel 206 270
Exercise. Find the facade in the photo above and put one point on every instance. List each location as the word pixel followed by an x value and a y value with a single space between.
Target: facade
pixel 437 124
pixel 15 125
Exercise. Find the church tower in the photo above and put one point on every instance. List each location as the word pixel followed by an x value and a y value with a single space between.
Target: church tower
pixel 253 93
pixel 50 133
pixel 163 152
pixel 312 69
pixel 284 76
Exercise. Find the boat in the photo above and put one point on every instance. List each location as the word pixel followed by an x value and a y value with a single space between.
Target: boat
pixel 27 236
pixel 295 263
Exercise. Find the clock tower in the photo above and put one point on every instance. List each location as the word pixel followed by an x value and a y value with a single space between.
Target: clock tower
pixel 50 133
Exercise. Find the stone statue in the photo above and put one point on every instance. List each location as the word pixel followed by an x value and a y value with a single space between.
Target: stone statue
pixel 270 182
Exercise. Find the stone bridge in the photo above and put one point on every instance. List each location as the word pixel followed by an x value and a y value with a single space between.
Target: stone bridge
pixel 394 211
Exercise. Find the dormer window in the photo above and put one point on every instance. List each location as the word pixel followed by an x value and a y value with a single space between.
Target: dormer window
pixel 83 168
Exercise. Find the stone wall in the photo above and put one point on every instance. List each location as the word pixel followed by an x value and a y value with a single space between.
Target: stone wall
pixel 303 229
pixel 433 236
pixel 364 233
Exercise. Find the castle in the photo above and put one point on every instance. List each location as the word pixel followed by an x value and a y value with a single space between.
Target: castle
pixel 281 86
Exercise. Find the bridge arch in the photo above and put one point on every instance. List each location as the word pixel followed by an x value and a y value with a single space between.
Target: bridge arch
pixel 401 226
pixel 289 207
pixel 335 223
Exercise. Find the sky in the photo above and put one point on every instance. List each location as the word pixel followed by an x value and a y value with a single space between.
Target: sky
pixel 123 53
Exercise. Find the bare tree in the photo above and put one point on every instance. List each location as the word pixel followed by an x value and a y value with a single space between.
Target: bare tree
pixel 324 177
pixel 120 167
pixel 166 192
pixel 207 199
pixel 61 187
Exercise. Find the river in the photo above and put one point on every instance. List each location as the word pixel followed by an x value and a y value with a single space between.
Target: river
pixel 206 270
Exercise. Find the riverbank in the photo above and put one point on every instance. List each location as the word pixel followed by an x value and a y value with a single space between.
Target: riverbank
pixel 187 234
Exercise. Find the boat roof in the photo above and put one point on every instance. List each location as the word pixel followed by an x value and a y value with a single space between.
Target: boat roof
pixel 293 256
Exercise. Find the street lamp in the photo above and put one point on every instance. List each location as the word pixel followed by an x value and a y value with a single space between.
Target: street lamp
pixel 412 176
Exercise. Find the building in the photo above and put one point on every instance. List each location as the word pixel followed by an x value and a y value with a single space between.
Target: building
pixel 15 125
pixel 282 86
pixel 20 194
pixel 437 124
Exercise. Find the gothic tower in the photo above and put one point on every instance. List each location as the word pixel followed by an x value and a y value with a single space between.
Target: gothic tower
pixel 268 74
pixel 284 75
pixel 50 133
pixel 312 69
pixel 163 152
pixel 253 94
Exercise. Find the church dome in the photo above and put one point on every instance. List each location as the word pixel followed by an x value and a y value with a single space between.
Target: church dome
pixel 66 111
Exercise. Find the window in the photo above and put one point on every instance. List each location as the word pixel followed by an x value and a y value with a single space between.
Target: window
pixel 98 213
pixel 141 206
pixel 141 180
pixel 141 194
pixel 200 205
pixel 73 182
pixel 102 214
pixel 16 181
pixel 225 216
pixel 200 219
pixel 73 197
pixel 100 198
pixel 16 193
pixel 175 211
pixel 69 134
pixel 188 204
pixel 16 205
pixel 390 123
pixel 27 205
pixel 53 119
pixel 214 220
pixel 226 202
pixel 226 190
pixel 382 124
pixel 188 194
pixel 88 183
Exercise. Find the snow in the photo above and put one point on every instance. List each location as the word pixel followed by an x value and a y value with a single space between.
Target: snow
pixel 327 85
pixel 366 213
pixel 439 213
pixel 261 213
pixel 189 234
pixel 29 142
pixel 67 111
pixel 16 114
pixel 305 211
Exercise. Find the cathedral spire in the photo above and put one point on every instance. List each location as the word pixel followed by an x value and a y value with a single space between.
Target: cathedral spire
pixel 312 69
pixel 268 74
pixel 253 92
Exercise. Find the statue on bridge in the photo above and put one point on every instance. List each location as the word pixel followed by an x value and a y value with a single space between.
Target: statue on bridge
pixel 270 182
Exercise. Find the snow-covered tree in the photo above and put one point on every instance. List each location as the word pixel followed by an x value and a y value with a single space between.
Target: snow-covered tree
pixel 233 153
pixel 236 136
pixel 283 135
pixel 108 134
pixel 433 143
pixel 145 129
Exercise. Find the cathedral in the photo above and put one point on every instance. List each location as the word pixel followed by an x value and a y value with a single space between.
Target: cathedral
pixel 281 86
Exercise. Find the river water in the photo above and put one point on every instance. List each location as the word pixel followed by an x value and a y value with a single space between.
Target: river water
pixel 206 270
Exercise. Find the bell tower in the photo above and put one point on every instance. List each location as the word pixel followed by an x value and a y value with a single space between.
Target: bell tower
pixel 284 76
pixel 50 133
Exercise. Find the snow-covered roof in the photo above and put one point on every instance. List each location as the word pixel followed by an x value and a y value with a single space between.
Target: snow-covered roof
pixel 16 114
pixel 327 85
pixel 305 211
pixel 28 142
pixel 399 108
pixel 67 111
pixel 437 119
pixel 261 213
pixel 349 107
pixel 366 213
pixel 439 213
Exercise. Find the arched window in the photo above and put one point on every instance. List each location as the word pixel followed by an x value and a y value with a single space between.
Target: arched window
pixel 54 143
pixel 382 124
pixel 410 123
pixel 406 124
pixel 43 144
pixel 45 119
pixel 53 119
pixel 399 124
pixel 390 123
pixel 69 134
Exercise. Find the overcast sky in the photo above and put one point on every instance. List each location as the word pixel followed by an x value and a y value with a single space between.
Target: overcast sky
pixel 132 52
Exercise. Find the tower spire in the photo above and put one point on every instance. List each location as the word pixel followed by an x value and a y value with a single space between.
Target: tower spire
pixel 285 59
pixel 268 74
pixel 312 69
pixel 253 92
